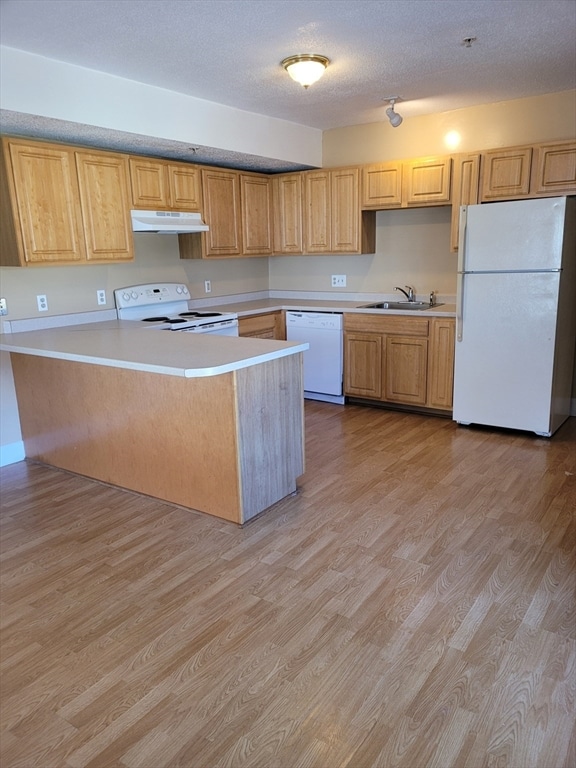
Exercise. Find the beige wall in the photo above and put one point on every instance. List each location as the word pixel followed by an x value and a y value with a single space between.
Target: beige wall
pixel 507 123
pixel 412 247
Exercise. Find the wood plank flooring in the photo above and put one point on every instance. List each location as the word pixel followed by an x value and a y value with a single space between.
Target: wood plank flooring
pixel 412 606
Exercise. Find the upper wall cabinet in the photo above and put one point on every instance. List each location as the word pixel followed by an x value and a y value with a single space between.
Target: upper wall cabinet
pixel 63 206
pixel 465 190
pixel 409 184
pixel 333 220
pixel 163 186
pixel 542 170
pixel 287 206
pixel 427 181
pixel 554 169
pixel 382 185
pixel 238 210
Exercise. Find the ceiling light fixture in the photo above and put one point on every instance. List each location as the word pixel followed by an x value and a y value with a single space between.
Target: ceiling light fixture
pixel 394 117
pixel 305 68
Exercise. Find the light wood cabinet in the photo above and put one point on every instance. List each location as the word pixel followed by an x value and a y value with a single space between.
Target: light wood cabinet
pixel 63 206
pixel 554 169
pixel 441 363
pixel 287 205
pixel 427 181
pixel 105 204
pixel 465 190
pixel 221 193
pixel 256 209
pixel 270 325
pixel 333 220
pixel 406 369
pixel 163 186
pixel 238 210
pixel 399 360
pixel 363 364
pixel 382 185
pixel 506 174
pixel 542 170
pixel 409 184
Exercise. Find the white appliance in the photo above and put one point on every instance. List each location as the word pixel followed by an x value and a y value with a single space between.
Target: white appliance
pixel 323 359
pixel 167 222
pixel 516 314
pixel 164 306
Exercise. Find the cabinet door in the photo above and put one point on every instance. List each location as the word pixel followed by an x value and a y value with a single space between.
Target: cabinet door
pixel 267 326
pixel 105 198
pixel 382 186
pixel 46 203
pixel 256 203
pixel 287 195
pixel 554 169
pixel 465 188
pixel 506 174
pixel 221 192
pixel 317 212
pixel 406 369
pixel 149 184
pixel 185 188
pixel 441 363
pixel 363 364
pixel 427 181
pixel 345 207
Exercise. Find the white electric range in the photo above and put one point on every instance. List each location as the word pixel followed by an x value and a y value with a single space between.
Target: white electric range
pixel 164 306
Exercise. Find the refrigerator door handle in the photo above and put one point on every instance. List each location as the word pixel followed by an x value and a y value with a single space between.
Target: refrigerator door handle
pixel 461 267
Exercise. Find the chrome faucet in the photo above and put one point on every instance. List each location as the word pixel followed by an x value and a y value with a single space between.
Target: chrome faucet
pixel 409 295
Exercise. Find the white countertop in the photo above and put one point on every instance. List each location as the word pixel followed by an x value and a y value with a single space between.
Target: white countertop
pixel 125 344
pixel 261 306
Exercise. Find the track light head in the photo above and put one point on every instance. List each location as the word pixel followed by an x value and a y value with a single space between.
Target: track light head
pixel 394 118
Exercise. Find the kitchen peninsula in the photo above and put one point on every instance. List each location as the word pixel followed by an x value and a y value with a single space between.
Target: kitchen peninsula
pixel 210 423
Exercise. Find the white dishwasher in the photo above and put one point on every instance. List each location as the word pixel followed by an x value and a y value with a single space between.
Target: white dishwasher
pixel 323 360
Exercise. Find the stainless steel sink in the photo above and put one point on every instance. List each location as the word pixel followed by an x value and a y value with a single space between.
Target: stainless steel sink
pixel 411 305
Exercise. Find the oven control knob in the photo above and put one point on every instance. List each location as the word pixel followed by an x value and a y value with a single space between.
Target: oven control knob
pixel 126 296
pixel 134 295
pixel 178 289
pixel 184 289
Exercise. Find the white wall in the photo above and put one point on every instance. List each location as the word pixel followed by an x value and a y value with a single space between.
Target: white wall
pixel 39 86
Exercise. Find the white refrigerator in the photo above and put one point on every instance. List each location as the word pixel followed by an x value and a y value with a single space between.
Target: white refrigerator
pixel 516 314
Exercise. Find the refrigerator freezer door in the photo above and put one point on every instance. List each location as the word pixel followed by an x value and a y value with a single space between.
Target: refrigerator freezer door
pixel 517 235
pixel 505 362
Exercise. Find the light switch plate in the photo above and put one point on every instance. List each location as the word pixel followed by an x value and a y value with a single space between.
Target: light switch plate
pixel 338 281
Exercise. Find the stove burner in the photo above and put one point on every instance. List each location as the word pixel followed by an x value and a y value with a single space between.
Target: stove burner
pixel 176 320
pixel 200 314
pixel 154 319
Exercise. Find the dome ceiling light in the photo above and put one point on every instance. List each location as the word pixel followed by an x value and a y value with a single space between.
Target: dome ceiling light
pixel 394 118
pixel 305 68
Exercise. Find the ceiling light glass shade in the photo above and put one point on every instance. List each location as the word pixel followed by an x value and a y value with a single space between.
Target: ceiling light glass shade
pixel 306 68
pixel 394 117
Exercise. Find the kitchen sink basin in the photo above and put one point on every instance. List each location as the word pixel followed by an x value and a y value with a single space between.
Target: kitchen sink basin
pixel 411 305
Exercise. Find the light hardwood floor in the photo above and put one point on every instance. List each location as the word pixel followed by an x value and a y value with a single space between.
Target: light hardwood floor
pixel 413 606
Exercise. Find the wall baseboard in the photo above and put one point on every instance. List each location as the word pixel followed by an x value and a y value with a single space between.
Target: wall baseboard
pixel 11 453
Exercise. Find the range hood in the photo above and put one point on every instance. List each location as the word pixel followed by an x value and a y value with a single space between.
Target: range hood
pixel 167 222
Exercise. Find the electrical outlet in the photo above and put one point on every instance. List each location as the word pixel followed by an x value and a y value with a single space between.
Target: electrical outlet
pixel 207 286
pixel 42 302
pixel 101 296
pixel 338 281
pixel 3 307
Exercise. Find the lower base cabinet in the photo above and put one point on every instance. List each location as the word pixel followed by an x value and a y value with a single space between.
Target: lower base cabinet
pixel 399 360
pixel 270 325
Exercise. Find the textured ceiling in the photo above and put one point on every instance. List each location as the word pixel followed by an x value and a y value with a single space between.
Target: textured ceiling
pixel 229 51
